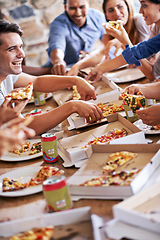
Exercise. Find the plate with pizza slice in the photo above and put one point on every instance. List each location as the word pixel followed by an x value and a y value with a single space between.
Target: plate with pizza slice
pixel 31 149
pixel 26 180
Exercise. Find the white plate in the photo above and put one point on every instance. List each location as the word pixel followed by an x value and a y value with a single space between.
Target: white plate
pixel 23 174
pixel 49 95
pixel 12 157
pixel 146 128
pixel 125 75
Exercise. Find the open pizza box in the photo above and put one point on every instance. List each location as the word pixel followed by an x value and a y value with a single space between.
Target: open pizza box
pixel 102 86
pixel 80 221
pixel 118 230
pixel 141 210
pixel 147 161
pixel 72 149
pixel 109 98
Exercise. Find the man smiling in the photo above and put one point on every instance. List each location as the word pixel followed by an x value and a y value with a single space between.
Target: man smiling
pixel 11 76
pixel 75 30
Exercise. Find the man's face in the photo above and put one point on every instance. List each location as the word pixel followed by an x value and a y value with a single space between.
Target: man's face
pixel 77 11
pixel 11 54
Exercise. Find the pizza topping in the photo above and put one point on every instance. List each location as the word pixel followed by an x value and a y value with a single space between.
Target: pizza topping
pixel 136 101
pixel 43 233
pixel 22 94
pixel 44 173
pixel 122 178
pixel 76 95
pixel 114 134
pixel 36 148
pixel 24 148
pixel 109 109
pixel 118 159
pixel 12 185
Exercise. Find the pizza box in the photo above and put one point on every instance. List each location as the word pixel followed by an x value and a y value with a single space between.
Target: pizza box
pixel 147 160
pixel 103 86
pixel 80 221
pixel 75 121
pixel 71 147
pixel 118 230
pixel 141 210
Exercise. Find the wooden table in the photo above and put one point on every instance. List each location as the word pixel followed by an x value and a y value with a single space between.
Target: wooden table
pixel 20 207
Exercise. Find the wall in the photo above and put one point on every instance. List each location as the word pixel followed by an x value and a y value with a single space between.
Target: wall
pixel 34 17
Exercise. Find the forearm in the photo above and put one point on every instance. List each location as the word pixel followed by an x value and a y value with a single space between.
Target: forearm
pixel 151 90
pixel 53 83
pixel 107 66
pixel 46 121
pixel 56 56
pixel 146 68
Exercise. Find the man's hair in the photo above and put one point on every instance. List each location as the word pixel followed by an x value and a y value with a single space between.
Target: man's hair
pixel 8 27
pixel 64 2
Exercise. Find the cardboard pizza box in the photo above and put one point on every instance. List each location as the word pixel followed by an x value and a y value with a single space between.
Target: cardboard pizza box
pixel 103 86
pixel 118 230
pixel 71 147
pixel 141 210
pixel 76 122
pixel 80 221
pixel 147 161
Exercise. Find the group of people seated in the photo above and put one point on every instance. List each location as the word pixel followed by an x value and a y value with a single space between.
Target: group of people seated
pixel 72 38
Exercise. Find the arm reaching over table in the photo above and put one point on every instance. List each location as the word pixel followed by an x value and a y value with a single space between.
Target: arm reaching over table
pixel 130 55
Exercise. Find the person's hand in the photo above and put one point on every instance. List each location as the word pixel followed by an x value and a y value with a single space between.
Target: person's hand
pixel 8 112
pixel 132 89
pixel 119 33
pixel 85 89
pixel 150 115
pixel 73 71
pixel 59 68
pixel 14 133
pixel 94 76
pixel 89 111
pixel 114 42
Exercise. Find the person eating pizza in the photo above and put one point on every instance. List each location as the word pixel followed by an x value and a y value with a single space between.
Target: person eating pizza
pixel 11 76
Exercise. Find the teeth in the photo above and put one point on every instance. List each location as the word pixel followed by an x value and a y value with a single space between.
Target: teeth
pixel 17 63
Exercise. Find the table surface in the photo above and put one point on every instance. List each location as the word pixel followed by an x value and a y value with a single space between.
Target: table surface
pixel 20 207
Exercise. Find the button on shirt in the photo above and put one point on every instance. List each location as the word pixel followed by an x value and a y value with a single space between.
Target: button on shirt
pixel 65 35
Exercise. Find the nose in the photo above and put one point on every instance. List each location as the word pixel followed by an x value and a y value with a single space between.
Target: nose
pixel 140 10
pixel 117 13
pixel 78 11
pixel 20 53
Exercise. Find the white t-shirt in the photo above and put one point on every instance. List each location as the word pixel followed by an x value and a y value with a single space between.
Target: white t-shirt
pixel 7 86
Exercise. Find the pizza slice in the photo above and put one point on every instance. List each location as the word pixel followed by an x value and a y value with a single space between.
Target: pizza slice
pixel 117 159
pixel 24 148
pixel 135 101
pixel 36 148
pixel 43 233
pixel 12 185
pixel 110 108
pixel 114 134
pixel 44 173
pixel 121 178
pixel 22 93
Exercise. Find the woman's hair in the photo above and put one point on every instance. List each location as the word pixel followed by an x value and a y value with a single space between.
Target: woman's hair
pixel 130 25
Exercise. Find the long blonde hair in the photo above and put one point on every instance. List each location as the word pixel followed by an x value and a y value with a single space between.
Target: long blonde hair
pixel 130 25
